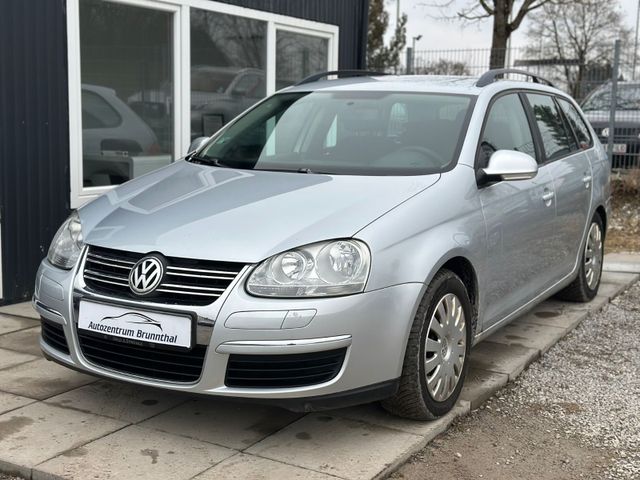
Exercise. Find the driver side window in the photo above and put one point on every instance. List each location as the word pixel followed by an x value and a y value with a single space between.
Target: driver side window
pixel 506 128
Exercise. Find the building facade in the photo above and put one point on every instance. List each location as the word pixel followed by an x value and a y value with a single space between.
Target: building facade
pixel 96 92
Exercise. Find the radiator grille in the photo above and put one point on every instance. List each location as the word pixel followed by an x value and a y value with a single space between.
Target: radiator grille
pixel 145 361
pixel 186 281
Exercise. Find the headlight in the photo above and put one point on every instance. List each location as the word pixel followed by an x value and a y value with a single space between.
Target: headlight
pixel 67 243
pixel 325 269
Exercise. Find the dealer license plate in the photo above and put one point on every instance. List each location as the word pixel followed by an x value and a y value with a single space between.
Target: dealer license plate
pixel 138 325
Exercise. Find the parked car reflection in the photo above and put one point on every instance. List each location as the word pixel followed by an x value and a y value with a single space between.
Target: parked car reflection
pixel 218 94
pixel 626 135
pixel 117 144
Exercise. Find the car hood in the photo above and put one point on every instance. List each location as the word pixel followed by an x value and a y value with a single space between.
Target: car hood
pixel 203 212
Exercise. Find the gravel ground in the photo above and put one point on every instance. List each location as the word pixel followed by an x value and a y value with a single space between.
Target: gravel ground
pixel 575 414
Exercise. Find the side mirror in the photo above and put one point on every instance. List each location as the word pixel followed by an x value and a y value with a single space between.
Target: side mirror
pixel 197 143
pixel 510 165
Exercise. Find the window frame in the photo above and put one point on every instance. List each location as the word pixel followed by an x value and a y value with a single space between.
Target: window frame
pixel 530 121
pixel 181 50
pixel 538 135
pixel 573 105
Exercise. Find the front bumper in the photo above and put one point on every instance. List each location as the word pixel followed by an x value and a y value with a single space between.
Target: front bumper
pixel 372 326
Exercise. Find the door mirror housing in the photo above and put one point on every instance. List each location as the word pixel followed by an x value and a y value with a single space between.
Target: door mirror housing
pixel 510 165
pixel 197 143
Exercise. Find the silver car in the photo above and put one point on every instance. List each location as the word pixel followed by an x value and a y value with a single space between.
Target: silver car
pixel 343 241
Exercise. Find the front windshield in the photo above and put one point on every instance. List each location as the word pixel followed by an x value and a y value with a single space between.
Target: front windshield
pixel 352 133
pixel 627 98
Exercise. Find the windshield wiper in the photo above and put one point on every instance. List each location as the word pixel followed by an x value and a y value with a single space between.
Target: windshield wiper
pixel 213 161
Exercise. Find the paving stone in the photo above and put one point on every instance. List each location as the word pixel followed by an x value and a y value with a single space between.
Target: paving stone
pixel 498 357
pixel 249 467
pixel 10 358
pixel 122 401
pixel 41 379
pixel 539 337
pixel 619 277
pixel 24 309
pixel 25 341
pixel 611 290
pixel 230 424
pixel 374 414
pixel 12 324
pixel 134 452
pixel 9 401
pixel 569 319
pixel 480 385
pixel 38 432
pixel 622 262
pixel 341 447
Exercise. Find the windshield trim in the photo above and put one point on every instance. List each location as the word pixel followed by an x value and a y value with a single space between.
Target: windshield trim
pixel 380 171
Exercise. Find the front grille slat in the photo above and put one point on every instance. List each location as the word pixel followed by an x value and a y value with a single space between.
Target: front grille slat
pixel 283 371
pixel 186 281
pixel 144 360
pixel 53 335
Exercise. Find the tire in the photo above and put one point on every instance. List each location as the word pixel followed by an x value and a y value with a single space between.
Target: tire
pixel 585 286
pixel 414 398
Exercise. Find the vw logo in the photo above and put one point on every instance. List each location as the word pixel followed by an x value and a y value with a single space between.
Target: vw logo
pixel 146 275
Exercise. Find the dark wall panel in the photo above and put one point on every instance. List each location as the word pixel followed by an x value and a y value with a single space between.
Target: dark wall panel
pixel 350 15
pixel 34 150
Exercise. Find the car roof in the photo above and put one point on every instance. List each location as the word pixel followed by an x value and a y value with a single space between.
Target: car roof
pixel 418 83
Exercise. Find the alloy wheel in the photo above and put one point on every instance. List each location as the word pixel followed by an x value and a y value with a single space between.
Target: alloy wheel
pixel 593 256
pixel 445 348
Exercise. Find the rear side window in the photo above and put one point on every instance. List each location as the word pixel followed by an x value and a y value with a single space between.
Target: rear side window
pixel 506 128
pixel 557 140
pixel 577 123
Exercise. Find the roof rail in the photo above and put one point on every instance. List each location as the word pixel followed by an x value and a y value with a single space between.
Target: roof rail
pixel 491 76
pixel 339 73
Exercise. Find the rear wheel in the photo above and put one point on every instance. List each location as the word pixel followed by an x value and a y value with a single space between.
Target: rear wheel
pixel 435 362
pixel 586 284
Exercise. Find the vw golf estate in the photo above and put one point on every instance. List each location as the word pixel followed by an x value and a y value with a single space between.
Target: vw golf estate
pixel 346 240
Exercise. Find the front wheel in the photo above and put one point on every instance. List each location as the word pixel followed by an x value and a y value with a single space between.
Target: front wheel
pixel 436 358
pixel 586 284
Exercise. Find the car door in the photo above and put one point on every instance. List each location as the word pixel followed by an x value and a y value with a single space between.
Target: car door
pixel 519 215
pixel 568 163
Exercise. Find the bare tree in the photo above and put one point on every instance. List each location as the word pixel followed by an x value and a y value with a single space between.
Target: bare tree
pixel 577 37
pixel 507 17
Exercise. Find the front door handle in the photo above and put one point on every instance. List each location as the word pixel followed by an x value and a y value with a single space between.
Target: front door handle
pixel 547 197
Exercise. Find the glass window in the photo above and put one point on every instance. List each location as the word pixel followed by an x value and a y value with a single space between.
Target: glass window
pixel 577 123
pixel 506 128
pixel 557 140
pixel 126 69
pixel 353 133
pixel 228 58
pixel 298 56
pixel 96 112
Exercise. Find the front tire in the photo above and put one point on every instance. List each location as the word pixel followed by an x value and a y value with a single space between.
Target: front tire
pixel 436 358
pixel 586 284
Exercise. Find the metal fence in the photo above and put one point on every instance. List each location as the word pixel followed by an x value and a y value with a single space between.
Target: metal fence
pixel 603 73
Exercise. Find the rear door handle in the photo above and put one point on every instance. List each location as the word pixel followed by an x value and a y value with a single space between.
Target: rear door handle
pixel 587 180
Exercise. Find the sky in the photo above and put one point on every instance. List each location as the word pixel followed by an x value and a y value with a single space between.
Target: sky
pixel 439 34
